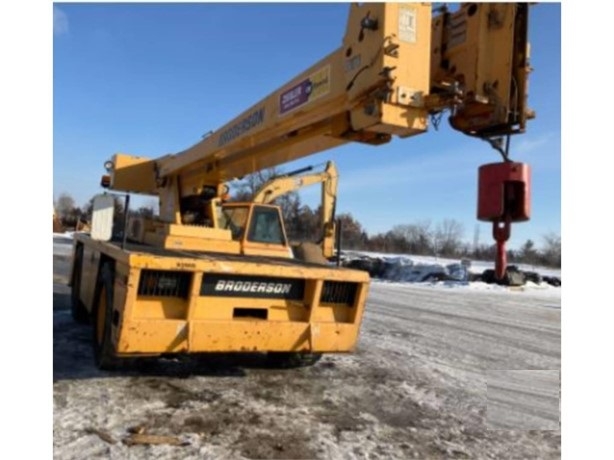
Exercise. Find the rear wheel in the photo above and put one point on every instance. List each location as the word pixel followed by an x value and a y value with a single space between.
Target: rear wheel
pixel 104 354
pixel 77 309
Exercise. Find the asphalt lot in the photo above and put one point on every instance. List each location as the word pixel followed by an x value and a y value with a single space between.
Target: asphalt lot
pixel 430 379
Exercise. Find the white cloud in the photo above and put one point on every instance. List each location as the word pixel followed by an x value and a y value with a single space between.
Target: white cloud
pixel 60 22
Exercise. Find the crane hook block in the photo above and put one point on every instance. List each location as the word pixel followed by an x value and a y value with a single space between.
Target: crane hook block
pixel 504 192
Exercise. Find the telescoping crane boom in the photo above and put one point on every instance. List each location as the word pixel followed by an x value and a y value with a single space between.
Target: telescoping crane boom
pixel 211 275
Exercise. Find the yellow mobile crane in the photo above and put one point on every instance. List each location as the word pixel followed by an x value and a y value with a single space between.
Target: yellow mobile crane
pixel 292 181
pixel 216 276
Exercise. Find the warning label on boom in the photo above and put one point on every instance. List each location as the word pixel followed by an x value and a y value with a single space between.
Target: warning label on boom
pixel 313 87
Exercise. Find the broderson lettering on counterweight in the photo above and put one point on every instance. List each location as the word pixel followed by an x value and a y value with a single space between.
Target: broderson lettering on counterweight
pixel 247 286
pixel 251 286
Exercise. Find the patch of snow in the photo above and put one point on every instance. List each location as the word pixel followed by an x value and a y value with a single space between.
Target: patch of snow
pixel 476 266
pixel 63 243
pixel 421 269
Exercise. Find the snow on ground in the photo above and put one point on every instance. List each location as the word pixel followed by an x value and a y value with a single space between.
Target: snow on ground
pixel 62 244
pixel 400 268
pixel 529 289
pixel 434 376
pixel 409 268
pixel 476 266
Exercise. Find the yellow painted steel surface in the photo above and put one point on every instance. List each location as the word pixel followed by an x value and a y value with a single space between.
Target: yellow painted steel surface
pixel 197 232
pixel 200 322
pixel 192 243
pixel 168 336
pixel 133 174
pixel 396 66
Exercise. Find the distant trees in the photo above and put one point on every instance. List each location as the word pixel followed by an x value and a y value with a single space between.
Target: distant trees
pixel 68 214
pixel 484 252
pixel 551 254
pixel 302 222
pixel 444 239
pixel 413 238
pixel 528 253
pixel 246 188
pixel 448 237
pixel 353 235
pixel 422 238
pixel 64 204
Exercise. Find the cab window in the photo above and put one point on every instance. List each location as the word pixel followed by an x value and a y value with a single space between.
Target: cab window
pixel 265 226
pixel 234 218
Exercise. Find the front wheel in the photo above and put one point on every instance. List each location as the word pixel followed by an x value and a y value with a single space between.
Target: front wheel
pixel 104 354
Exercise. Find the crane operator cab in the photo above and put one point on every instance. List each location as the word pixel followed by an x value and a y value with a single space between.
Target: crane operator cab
pixel 258 228
pixel 241 228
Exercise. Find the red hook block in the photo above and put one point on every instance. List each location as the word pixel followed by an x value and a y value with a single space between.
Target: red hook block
pixel 503 198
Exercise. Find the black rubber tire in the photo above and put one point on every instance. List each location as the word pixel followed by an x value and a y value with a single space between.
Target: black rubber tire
pixel 77 309
pixel 104 354
pixel 289 360
pixel 533 277
pixel 488 276
pixel 553 281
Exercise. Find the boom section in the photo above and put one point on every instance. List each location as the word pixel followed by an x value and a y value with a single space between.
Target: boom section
pixel 367 90
pixel 398 65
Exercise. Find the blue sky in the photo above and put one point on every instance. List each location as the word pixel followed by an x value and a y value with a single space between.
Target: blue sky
pixel 150 79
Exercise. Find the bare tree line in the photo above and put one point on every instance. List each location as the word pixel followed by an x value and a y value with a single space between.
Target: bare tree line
pixel 442 239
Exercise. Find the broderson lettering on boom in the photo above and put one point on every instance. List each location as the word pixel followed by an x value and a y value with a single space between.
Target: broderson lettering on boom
pixel 242 127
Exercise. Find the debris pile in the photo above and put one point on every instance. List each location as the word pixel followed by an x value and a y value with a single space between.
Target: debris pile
pixel 405 269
